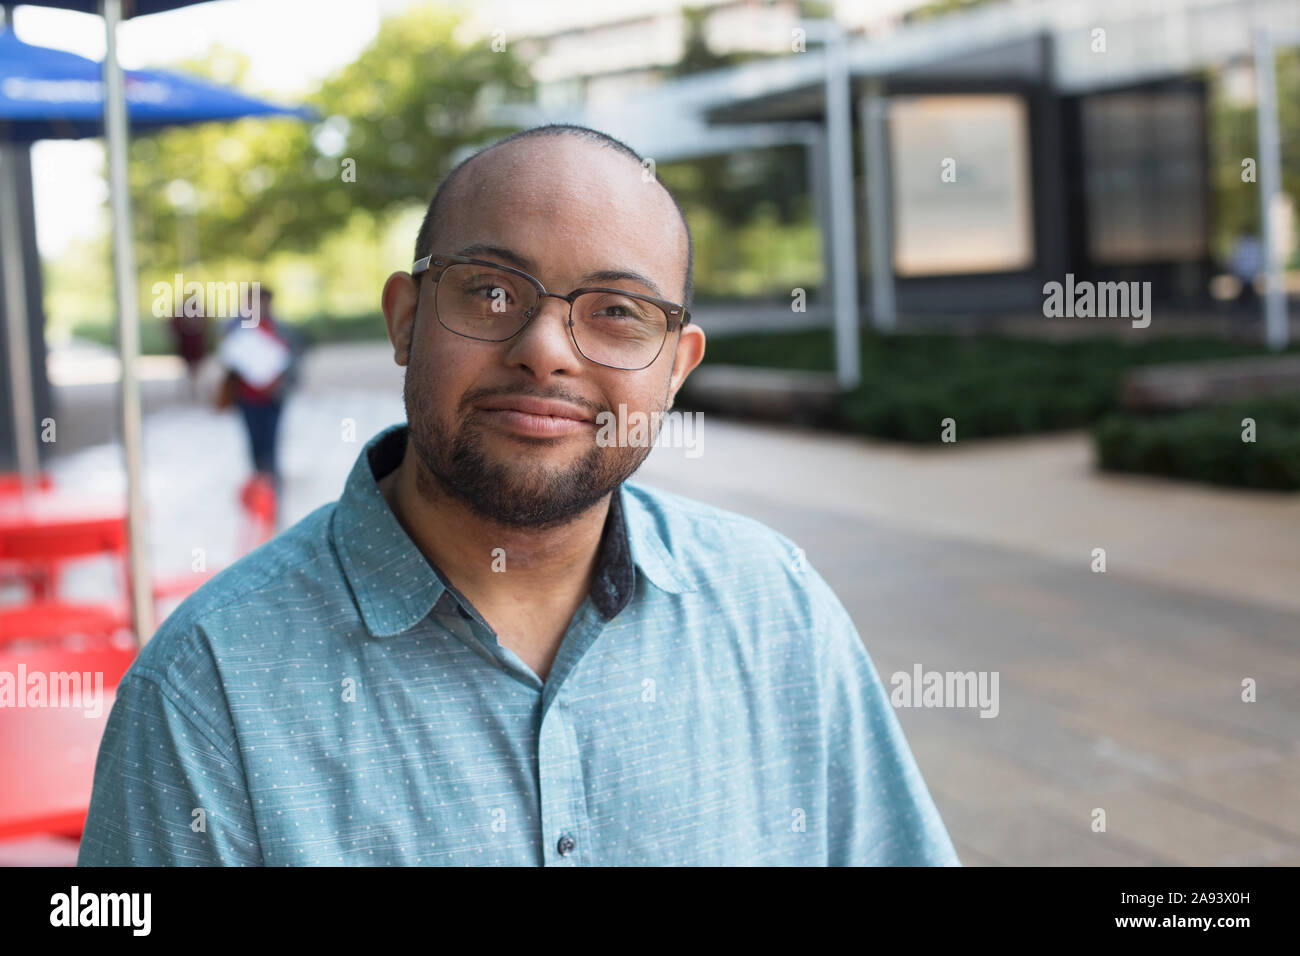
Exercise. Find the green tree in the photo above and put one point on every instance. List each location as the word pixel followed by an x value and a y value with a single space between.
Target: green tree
pixel 747 209
pixel 390 124
pixel 1233 137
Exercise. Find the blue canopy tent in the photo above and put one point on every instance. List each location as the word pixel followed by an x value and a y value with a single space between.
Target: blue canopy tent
pixel 54 94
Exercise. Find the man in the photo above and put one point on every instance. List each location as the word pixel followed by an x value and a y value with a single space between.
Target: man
pixel 491 650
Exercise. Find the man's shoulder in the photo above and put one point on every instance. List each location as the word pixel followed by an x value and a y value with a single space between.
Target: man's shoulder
pixel 294 564
pixel 691 519
pixel 744 570
pixel 707 540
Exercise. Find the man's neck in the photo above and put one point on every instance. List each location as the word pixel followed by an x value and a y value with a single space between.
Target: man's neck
pixel 537 576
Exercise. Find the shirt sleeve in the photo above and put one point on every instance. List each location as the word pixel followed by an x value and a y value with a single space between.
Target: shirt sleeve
pixel 879 811
pixel 166 792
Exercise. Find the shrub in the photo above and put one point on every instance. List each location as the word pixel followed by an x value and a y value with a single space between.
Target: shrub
pixel 991 385
pixel 1206 444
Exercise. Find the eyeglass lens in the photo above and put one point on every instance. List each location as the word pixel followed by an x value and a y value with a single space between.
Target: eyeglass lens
pixel 609 328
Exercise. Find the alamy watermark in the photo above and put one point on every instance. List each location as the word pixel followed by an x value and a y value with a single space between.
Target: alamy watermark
pixel 216 300
pixel 75 908
pixel 1100 300
pixel 946 689
pixel 23 688
pixel 674 429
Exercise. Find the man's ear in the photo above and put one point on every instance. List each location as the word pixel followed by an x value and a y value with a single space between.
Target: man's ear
pixel 399 302
pixel 687 355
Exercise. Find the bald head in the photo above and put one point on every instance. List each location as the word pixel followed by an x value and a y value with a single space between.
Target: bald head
pixel 571 164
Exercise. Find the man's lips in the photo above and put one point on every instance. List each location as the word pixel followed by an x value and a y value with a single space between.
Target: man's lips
pixel 543 407
pixel 536 417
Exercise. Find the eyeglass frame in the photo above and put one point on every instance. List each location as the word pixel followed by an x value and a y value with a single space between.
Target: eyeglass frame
pixel 670 309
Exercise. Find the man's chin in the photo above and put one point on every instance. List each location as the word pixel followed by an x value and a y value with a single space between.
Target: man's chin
pixel 529 484
pixel 569 446
pixel 535 468
pixel 522 506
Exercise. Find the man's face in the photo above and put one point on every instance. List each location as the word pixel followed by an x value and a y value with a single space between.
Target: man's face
pixel 565 208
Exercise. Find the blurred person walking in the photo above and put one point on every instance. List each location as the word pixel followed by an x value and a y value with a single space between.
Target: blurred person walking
pixel 261 361
pixel 1247 261
pixel 191 336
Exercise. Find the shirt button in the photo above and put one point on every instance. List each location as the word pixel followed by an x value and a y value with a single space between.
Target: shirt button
pixel 566 845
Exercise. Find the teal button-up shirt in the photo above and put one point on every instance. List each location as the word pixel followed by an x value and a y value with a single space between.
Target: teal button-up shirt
pixel 331 699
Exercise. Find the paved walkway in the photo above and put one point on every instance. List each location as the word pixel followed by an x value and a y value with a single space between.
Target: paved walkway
pixel 1039 495
pixel 1118 691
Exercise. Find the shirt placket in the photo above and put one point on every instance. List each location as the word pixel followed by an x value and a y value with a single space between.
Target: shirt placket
pixel 566 827
pixel 564 822
pixel 564 804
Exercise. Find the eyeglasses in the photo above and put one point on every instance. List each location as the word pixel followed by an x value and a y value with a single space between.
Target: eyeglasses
pixel 492 303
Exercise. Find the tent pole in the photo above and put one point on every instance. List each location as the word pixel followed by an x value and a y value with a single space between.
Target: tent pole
pixel 15 302
pixel 128 324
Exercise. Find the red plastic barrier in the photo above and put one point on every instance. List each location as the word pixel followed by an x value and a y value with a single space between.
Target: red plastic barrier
pixel 50 729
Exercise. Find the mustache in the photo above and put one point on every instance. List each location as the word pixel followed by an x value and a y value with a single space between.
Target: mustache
pixel 479 395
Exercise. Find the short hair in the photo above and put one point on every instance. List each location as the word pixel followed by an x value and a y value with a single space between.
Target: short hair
pixel 427 228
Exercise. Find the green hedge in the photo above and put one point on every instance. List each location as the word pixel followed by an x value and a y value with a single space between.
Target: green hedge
pixel 991 385
pixel 156 337
pixel 1206 444
pixel 345 328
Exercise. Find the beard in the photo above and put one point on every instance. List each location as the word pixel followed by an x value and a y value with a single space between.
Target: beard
pixel 520 491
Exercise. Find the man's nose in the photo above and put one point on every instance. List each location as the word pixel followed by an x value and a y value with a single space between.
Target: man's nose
pixel 535 335
pixel 564 310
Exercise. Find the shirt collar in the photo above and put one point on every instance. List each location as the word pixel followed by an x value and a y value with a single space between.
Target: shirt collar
pixel 395 586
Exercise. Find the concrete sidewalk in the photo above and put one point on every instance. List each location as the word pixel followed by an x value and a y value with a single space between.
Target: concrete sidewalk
pixel 1038 495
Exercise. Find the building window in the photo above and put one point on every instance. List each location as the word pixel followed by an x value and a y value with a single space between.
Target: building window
pixel 961 189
